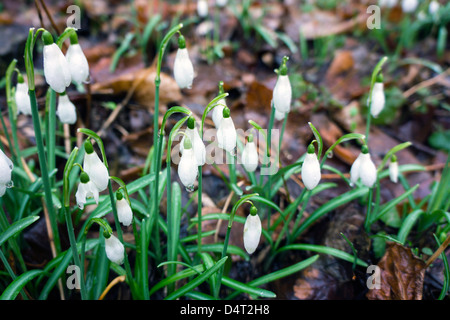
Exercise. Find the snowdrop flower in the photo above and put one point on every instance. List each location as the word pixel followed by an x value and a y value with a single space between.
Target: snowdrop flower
pixel 21 97
pixel 363 168
pixel 6 167
pixel 187 168
pixel 250 155
pixel 115 251
pixel 388 3
pixel 66 110
pixel 183 70
pixel 393 169
pixel 78 64
pixel 409 6
pixel 433 7
pixel 282 93
pixel 252 231
pixel 56 68
pixel 279 115
pixel 311 169
pixel 221 3
pixel 197 143
pixel 378 99
pixel 217 112
pixel 95 167
pixel 202 8
pixel 226 134
pixel 124 212
pixel 86 189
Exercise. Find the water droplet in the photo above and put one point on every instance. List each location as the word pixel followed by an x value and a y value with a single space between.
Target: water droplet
pixel 330 154
pixel 190 188
pixel 10 184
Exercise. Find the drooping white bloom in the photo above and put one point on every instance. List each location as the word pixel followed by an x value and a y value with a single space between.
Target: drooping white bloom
pixel 378 99
pixel 433 7
pixel 311 169
pixel 221 3
pixel 78 64
pixel 409 6
pixel 124 212
pixel 217 112
pixel 393 169
pixel 202 8
pixel 226 134
pixel 95 168
pixel 198 146
pixel 183 70
pixel 115 251
pixel 388 3
pixel 6 167
pixel 56 68
pixel 279 115
pixel 250 155
pixel 187 167
pixel 22 98
pixel 363 168
pixel 252 232
pixel 86 189
pixel 282 94
pixel 66 111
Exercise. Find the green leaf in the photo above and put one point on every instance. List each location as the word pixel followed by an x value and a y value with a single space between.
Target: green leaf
pixel 407 224
pixel 16 286
pixel 16 228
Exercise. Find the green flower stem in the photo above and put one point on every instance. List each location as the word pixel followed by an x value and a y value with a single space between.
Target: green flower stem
pixel 368 220
pixel 12 112
pixel 51 132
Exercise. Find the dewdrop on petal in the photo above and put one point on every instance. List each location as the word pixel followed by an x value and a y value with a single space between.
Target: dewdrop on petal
pixel 250 155
pixel 124 212
pixel 197 143
pixel 78 64
pixel 378 99
pixel 282 93
pixel 393 169
pixel 252 231
pixel 183 70
pixel 311 169
pixel 86 189
pixel 56 69
pixel 409 6
pixel 202 8
pixel 21 97
pixel 66 111
pixel 187 167
pixel 95 167
pixel 363 168
pixel 226 134
pixel 6 167
pixel 115 251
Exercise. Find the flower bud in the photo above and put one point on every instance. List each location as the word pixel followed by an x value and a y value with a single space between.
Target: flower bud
pixel 95 168
pixel 183 70
pixel 124 212
pixel 252 231
pixel 378 99
pixel 78 64
pixel 311 169
pixel 226 134
pixel 56 68
pixel 187 168
pixel 21 97
pixel 282 93
pixel 364 168
pixel 66 110
pixel 115 251
pixel 409 6
pixel 393 169
pixel 86 189
pixel 6 167
pixel 250 155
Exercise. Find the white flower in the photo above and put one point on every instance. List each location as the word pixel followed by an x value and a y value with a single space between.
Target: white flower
pixel 388 3
pixel 187 167
pixel 433 7
pixel 183 70
pixel 6 167
pixel 226 134
pixel 250 155
pixel 279 115
pixel 202 8
pixel 115 251
pixel 311 169
pixel 363 168
pixel 217 112
pixel 282 94
pixel 56 68
pixel 378 99
pixel 124 212
pixel 252 232
pixel 66 110
pixel 393 170
pixel 409 5
pixel 86 189
pixel 22 98
pixel 221 3
pixel 95 168
pixel 198 146
pixel 78 64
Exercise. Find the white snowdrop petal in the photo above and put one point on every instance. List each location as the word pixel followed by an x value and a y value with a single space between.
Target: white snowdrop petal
pixel 221 3
pixel 282 94
pixel 279 115
pixel 85 191
pixel 183 69
pixel 22 99
pixel 78 64
pixel 5 169
pixel 97 171
pixel 115 251
pixel 252 233
pixel 409 5
pixel 378 99
pixel 217 112
pixel 197 144
pixel 66 110
pixel 250 157
pixel 124 212
pixel 187 168
pixel 367 171
pixel 393 171
pixel 354 170
pixel 56 68
pixel 202 8
pixel 226 135
pixel 311 171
